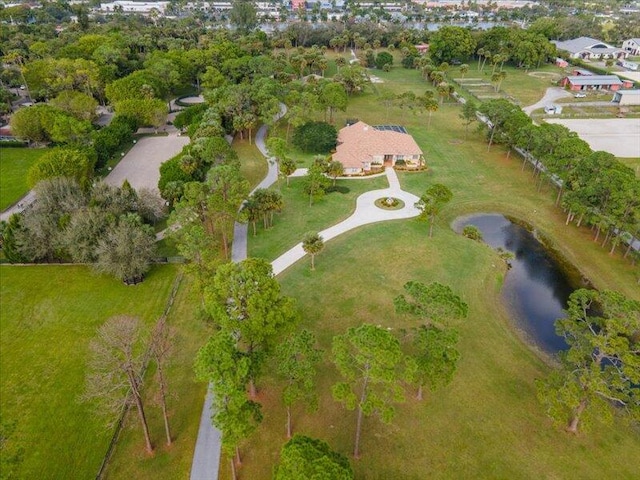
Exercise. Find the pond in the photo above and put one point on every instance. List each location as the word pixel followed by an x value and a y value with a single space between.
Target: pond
pixel 537 287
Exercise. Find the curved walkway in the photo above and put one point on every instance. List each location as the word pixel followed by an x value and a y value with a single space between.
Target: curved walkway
pixel 206 457
pixel 366 212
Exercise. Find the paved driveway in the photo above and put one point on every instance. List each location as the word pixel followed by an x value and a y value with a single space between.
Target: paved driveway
pixel 551 95
pixel 141 165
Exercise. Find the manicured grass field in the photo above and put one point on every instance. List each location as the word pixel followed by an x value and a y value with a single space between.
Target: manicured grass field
pixel 488 422
pixel 14 164
pixel 129 460
pixel 49 315
pixel 298 218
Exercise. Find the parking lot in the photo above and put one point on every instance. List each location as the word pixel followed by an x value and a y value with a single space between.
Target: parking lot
pixel 619 136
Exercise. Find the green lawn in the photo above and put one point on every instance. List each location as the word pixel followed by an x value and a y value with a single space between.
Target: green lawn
pixel 14 165
pixel 488 422
pixel 185 404
pixel 253 165
pixel 49 315
pixel 523 87
pixel 298 218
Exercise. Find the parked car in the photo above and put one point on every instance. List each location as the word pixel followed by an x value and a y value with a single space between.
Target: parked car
pixel 580 95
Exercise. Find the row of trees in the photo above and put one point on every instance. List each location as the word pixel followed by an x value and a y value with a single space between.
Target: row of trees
pixel 594 188
pixel 119 356
pixel 257 326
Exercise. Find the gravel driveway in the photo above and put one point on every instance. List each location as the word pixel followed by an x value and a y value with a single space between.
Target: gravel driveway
pixel 141 166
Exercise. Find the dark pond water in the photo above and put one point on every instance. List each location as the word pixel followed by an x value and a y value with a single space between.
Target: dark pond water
pixel 536 288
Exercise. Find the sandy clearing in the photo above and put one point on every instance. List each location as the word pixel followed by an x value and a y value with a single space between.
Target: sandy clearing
pixel 141 166
pixel 619 136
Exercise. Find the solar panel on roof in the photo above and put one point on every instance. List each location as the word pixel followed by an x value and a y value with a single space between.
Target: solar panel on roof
pixel 391 128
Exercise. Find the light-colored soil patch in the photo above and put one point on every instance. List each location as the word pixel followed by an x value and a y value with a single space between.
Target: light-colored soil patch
pixel 549 75
pixel 141 166
pixel 619 136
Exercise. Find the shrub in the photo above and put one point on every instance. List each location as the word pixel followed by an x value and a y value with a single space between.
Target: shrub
pixel 315 137
pixel 171 171
pixel 109 139
pixel 62 162
pixel 190 116
pixel 384 58
pixel 472 232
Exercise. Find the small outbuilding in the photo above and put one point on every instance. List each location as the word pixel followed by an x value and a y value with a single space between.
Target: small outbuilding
pixel 627 97
pixel 595 82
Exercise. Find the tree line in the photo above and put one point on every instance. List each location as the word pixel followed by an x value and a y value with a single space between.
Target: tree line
pixel 594 188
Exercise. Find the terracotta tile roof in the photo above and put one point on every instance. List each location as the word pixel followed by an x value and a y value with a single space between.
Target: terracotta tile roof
pixel 359 142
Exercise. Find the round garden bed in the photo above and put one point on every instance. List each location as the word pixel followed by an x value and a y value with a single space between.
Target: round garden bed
pixel 389 203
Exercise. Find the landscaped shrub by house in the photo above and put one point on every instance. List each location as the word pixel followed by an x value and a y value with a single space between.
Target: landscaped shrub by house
pixel 315 137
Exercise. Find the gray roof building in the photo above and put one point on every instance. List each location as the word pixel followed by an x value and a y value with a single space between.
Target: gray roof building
pixel 587 47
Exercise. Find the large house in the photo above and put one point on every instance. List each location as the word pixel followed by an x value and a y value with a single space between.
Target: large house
pixel 362 148
pixel 588 48
pixel 632 46
pixel 627 97
pixel 595 82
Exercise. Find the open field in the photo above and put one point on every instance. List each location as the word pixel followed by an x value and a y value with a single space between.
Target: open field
pixel 298 218
pixel 14 165
pixel 129 460
pixel 488 422
pixel 49 315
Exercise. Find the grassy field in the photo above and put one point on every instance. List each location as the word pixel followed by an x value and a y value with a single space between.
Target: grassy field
pixel 185 404
pixel 520 86
pixel 49 315
pixel 14 165
pixel 488 422
pixel 298 218
pixel 252 163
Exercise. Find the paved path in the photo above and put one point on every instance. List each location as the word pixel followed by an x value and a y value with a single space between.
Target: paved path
pixel 206 456
pixel 551 95
pixel 366 212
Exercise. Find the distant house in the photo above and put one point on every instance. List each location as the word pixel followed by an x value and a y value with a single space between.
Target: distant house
pixel 561 62
pixel 627 97
pixel 588 48
pixel 595 82
pixel 363 148
pixel 422 48
pixel 582 71
pixel 632 46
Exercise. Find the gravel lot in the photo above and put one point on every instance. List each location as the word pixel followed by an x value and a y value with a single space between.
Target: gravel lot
pixel 619 136
pixel 141 166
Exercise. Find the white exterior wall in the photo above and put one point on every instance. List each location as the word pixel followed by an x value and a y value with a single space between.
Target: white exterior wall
pixel 631 46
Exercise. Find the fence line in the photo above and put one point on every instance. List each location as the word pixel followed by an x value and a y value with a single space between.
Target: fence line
pixel 126 404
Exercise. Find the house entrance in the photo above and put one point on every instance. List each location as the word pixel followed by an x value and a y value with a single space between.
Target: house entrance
pixel 388 160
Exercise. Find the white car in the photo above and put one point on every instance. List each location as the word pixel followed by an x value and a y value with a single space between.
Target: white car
pixel 580 95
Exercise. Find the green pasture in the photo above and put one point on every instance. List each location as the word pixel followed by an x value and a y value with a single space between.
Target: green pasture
pixel 50 313
pixel 14 165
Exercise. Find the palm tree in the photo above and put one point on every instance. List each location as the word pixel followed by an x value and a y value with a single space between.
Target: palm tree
pixel 312 243
pixel 428 103
pixel 340 62
pixel 464 68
